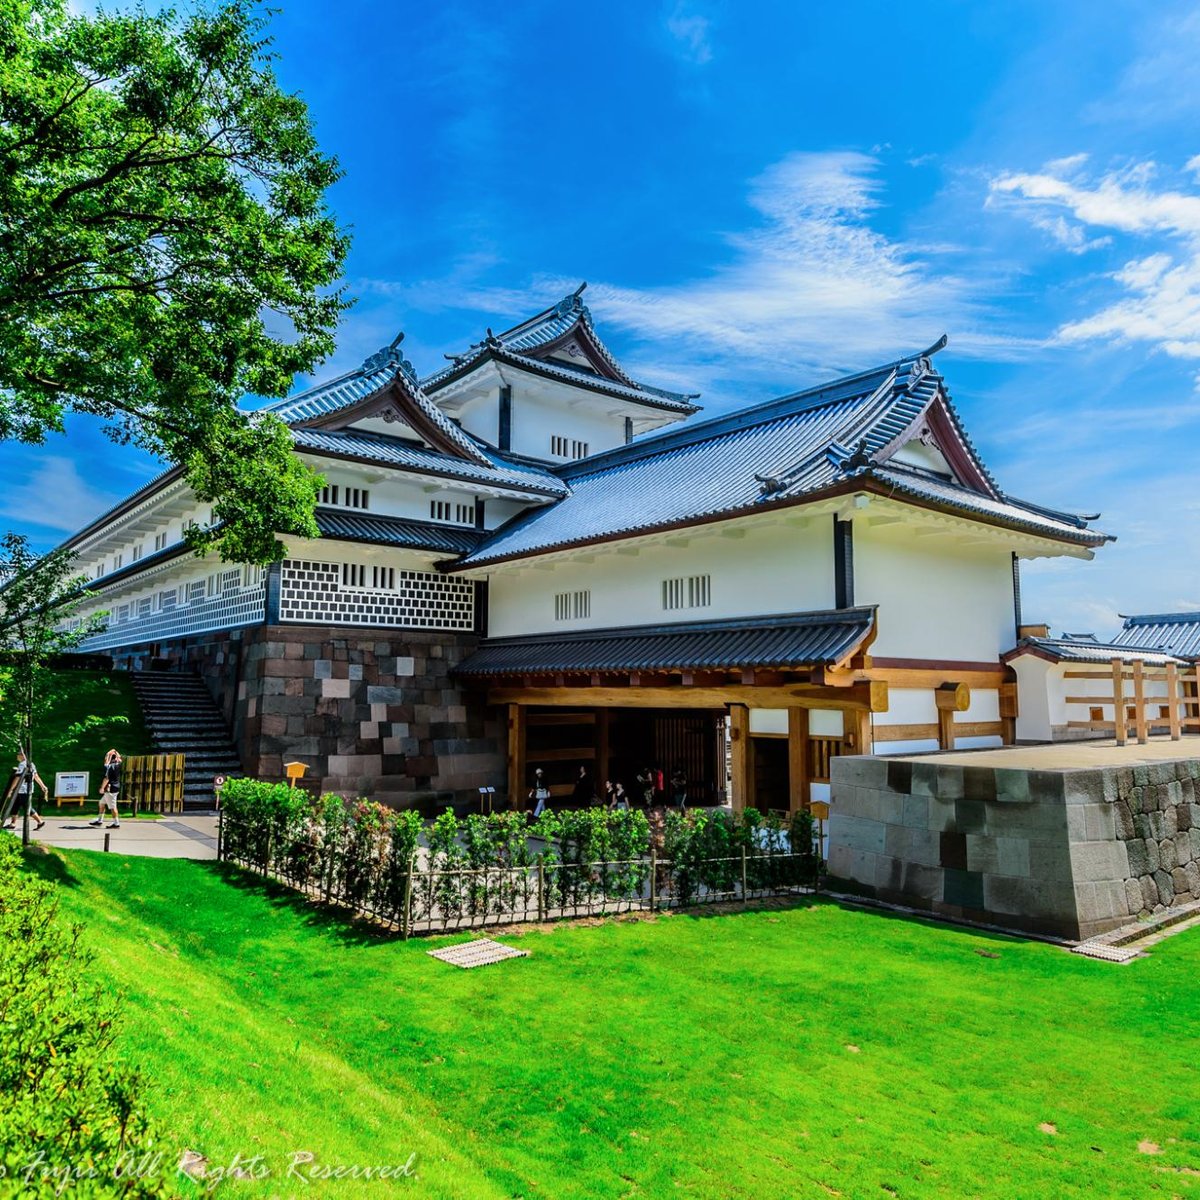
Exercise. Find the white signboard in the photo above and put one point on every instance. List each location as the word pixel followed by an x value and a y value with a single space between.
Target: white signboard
pixel 71 784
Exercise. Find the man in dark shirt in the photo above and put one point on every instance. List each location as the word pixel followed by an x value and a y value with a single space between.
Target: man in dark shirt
pixel 110 790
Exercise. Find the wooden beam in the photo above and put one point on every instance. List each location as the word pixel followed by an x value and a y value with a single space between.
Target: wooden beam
pixel 952 697
pixel 739 738
pixel 919 678
pixel 602 749
pixel 857 737
pixel 1118 682
pixel 979 729
pixel 1173 700
pixel 869 697
pixel 799 793
pixel 927 732
pixel 516 756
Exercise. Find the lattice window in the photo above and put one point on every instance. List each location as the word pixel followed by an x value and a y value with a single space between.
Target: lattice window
pixel 464 514
pixel 231 580
pixel 144 606
pixel 383 578
pixel 168 599
pixel 195 592
pixel 354 575
pixel 137 553
pixel 329 494
pixel 160 541
pixel 358 498
pixel 688 591
pixel 318 593
pixel 572 606
pixel 117 560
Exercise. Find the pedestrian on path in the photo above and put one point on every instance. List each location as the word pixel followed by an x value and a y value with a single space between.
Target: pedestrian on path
pixel 584 793
pixel 110 790
pixel 540 793
pixel 679 787
pixel 20 792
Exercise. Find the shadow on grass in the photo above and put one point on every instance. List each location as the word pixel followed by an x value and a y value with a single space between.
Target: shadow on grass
pixel 334 919
pixel 49 865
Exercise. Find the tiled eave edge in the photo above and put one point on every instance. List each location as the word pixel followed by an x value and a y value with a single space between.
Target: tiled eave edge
pixel 1080 539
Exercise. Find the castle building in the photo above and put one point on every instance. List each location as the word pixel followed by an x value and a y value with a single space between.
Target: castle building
pixel 530 559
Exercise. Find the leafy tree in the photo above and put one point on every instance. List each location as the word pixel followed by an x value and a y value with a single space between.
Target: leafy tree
pixel 165 249
pixel 39 599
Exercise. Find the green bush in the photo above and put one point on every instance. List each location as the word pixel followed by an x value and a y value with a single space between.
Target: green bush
pixel 72 1118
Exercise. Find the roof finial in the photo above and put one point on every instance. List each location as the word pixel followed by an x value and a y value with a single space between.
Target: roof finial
pixel 572 303
pixel 389 356
pixel 940 344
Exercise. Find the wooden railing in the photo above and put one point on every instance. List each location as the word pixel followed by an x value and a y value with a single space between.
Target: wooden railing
pixel 820 751
pixel 1176 711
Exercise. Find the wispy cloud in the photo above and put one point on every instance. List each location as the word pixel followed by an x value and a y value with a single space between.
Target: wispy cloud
pixel 54 496
pixel 1159 302
pixel 690 33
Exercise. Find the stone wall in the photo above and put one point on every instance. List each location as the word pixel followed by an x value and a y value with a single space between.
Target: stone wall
pixel 1070 852
pixel 373 713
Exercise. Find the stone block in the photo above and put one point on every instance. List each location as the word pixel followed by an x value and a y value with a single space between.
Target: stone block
pixel 1194 836
pixel 1077 823
pixel 1149 893
pixel 915 811
pixel 1099 860
pixel 924 779
pixel 405 665
pixel 979 783
pixel 899 776
pixel 889 874
pixel 952 850
pixel 859 771
pixel 949 782
pixel 970 815
pixel 385 695
pixel 379 712
pixel 1167 858
pixel 897 841
pixel 1084 787
pixel 1133 896
pixel 1050 862
pixel 354 671
pixel 856 833
pixel 1101 822
pixel 1030 898
pixel 922 884
pixel 941 813
pixel 1192 871
pixel 924 848
pixel 368 729
pixel 322 668
pixel 1012 856
pixel 1123 820
pixel 339 688
pixel 1180 881
pixel 1170 818
pixel 1158 825
pixel 891 807
pixel 1183 816
pixel 962 888
pixel 1143 856
pixel 1012 785
pixel 1048 787
pixel 1166 889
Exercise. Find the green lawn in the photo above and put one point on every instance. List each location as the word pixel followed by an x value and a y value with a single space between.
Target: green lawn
pixel 814 1051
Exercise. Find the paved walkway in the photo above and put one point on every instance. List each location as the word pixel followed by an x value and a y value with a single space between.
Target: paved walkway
pixel 1067 756
pixel 170 837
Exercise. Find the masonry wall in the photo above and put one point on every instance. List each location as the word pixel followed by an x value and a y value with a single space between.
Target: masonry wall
pixel 1071 853
pixel 373 713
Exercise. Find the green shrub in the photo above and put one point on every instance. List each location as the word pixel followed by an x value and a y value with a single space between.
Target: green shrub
pixel 72 1119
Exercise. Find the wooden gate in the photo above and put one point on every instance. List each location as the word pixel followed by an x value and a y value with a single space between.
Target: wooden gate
pixel 153 782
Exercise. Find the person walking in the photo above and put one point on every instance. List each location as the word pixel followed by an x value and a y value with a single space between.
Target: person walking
pixel 648 780
pixel 540 793
pixel 679 787
pixel 610 794
pixel 620 796
pixel 20 792
pixel 584 792
pixel 110 790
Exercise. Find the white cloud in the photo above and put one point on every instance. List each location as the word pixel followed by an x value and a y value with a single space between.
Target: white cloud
pixel 1160 301
pixel 54 496
pixel 691 34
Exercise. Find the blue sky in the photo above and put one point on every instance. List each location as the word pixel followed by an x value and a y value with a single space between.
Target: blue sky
pixel 761 195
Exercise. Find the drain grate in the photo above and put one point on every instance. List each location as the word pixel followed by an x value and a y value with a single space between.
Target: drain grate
pixel 1105 952
pixel 480 953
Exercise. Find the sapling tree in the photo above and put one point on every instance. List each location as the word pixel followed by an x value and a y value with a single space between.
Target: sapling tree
pixel 40 601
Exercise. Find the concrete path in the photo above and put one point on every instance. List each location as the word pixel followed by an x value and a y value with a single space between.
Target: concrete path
pixel 170 837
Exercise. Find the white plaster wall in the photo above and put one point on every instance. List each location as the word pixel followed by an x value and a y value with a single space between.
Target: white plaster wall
pixel 535 420
pixel 1033 698
pixel 768 720
pixel 776 569
pixel 938 598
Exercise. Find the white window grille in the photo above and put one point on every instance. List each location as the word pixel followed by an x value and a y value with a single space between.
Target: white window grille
pixel 464 514
pixel 168 599
pixel 579 449
pixel 137 553
pixel 329 494
pixel 144 606
pixel 316 593
pixel 117 560
pixel 354 575
pixel 439 510
pixel 572 606
pixel 195 592
pixel 160 541
pixel 563 447
pixel 357 498
pixel 383 578
pixel 688 591
pixel 230 581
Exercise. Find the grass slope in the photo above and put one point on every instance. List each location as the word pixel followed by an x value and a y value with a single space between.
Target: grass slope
pixel 108 695
pixel 807 1052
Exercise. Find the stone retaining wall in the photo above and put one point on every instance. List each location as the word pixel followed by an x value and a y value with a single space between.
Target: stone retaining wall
pixel 1068 852
pixel 373 714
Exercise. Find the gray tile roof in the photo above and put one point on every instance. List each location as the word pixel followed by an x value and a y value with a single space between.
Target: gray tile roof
pixel 792 640
pixel 789 448
pixel 1080 651
pixel 398 452
pixel 519 345
pixel 1176 633
pixel 396 531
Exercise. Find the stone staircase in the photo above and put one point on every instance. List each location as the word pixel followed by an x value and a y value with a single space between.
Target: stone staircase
pixel 182 718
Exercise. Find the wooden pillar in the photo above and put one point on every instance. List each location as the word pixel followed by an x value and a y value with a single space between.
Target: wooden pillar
pixel 798 790
pixel 516 755
pixel 1139 703
pixel 1121 725
pixel 602 750
pixel 1009 712
pixel 1173 700
pixel 950 698
pixel 857 723
pixel 740 756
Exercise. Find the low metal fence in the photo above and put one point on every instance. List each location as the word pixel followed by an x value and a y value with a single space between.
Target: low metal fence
pixel 420 897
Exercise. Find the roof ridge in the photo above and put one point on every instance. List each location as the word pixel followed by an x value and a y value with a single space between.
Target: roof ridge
pixel 757 414
pixel 1176 618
